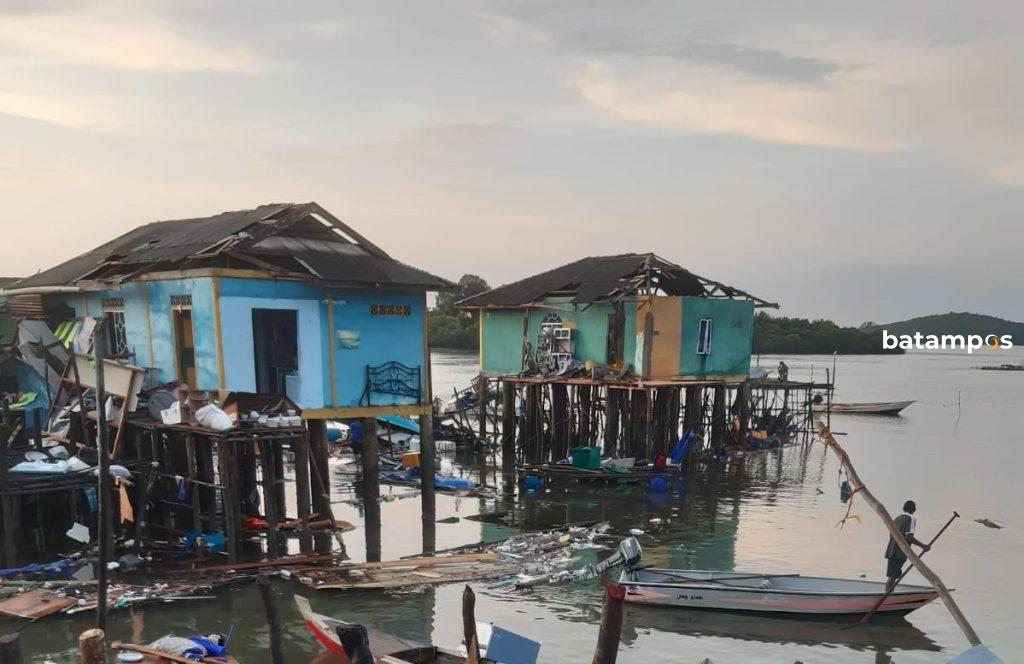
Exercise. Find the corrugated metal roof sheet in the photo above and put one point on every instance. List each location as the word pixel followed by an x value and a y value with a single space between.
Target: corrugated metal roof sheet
pixel 261 233
pixel 598 278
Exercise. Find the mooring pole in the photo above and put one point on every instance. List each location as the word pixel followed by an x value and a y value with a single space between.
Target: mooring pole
pixel 469 625
pixel 273 618
pixel 92 647
pixel 897 536
pixel 428 502
pixel 103 445
pixel 611 625
pixel 10 647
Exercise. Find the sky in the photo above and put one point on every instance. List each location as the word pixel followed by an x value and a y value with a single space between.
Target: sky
pixel 854 161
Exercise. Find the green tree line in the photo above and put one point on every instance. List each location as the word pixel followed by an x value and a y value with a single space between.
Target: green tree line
pixel 778 335
pixel 447 327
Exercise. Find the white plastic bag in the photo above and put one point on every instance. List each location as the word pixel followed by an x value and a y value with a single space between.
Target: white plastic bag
pixel 214 417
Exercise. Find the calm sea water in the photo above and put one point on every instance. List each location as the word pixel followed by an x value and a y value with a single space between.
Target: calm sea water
pixel 955 449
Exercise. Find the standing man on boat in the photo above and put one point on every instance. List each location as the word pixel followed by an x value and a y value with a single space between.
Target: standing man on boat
pixel 906 523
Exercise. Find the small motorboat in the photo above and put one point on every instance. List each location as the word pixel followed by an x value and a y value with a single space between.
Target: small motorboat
pixel 769 593
pixel 1003 367
pixel 506 646
pixel 412 477
pixel 876 408
pixel 325 631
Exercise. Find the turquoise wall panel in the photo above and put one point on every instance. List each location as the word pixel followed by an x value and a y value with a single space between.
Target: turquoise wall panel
pixel 156 295
pixel 373 340
pixel 503 333
pixel 629 334
pixel 502 347
pixel 731 337
pixel 239 354
pixel 203 329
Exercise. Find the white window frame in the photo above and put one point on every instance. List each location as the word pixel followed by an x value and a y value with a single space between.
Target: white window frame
pixel 116 336
pixel 705 328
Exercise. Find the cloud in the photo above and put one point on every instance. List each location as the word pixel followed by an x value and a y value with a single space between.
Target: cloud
pixel 865 80
pixel 947 99
pixel 119 36
pixel 52 110
pixel 694 100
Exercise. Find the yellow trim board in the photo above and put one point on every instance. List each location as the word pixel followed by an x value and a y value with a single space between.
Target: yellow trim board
pixel 364 411
pixel 218 337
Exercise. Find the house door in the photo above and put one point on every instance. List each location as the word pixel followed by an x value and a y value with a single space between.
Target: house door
pixel 276 348
pixel 184 346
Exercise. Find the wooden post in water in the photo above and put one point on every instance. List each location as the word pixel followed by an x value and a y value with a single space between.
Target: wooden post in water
pixel 10 648
pixel 273 618
pixel 611 625
pixel 481 409
pixel 371 488
pixel 744 411
pixel 611 422
pixel 508 435
pixel 469 624
pixel 318 464
pixel 277 453
pixel 227 458
pixel 585 436
pixel 92 647
pixel 106 522
pixel 10 519
pixel 718 417
pixel 531 443
pixel 858 486
pixel 193 474
pixel 300 448
pixel 428 468
pixel 559 421
pixel 269 497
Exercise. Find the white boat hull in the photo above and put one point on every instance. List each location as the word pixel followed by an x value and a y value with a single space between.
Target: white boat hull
pixel 878 408
pixel 784 594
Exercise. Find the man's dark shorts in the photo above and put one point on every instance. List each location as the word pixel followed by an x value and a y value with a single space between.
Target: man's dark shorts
pixel 894 567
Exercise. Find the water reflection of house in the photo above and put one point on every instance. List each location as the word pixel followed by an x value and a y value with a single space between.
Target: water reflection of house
pixel 284 298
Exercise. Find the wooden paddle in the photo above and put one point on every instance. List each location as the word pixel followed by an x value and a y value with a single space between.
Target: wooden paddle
pixel 867 616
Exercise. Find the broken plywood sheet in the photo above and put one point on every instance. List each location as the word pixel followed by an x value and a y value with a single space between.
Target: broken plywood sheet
pixel 35 604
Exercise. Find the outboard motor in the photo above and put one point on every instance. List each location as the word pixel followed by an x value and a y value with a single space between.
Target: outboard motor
pixel 628 556
pixel 630 552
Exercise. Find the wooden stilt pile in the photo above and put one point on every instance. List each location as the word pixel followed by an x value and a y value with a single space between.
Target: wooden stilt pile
pixel 611 625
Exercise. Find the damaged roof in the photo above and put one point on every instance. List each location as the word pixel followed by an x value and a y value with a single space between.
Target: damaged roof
pixel 284 240
pixel 606 278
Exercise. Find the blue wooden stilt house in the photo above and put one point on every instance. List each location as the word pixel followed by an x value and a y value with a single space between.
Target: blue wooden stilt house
pixel 283 298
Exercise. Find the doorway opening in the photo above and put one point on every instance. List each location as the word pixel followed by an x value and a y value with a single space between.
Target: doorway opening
pixel 275 343
pixel 184 346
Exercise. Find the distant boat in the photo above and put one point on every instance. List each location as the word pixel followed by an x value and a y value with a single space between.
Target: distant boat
pixel 1004 367
pixel 769 593
pixel 876 408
